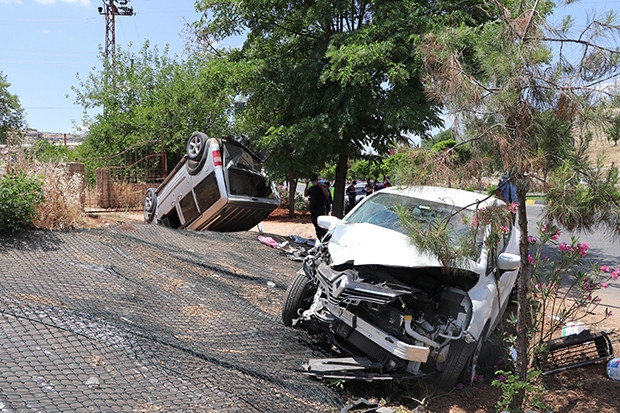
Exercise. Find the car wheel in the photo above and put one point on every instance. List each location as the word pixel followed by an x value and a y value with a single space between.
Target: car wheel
pixel 462 362
pixel 196 152
pixel 298 297
pixel 150 204
pixel 471 367
pixel 458 358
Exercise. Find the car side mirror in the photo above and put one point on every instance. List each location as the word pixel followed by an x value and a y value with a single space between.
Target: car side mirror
pixel 328 221
pixel 508 262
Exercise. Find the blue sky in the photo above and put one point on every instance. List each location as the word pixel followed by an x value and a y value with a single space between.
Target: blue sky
pixel 46 42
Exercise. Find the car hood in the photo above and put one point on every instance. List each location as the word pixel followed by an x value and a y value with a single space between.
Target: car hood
pixel 368 244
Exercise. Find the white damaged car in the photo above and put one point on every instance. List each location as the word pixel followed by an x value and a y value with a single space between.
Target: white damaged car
pixel 393 312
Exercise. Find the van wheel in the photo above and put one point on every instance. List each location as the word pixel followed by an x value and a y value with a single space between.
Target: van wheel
pixel 298 297
pixel 196 152
pixel 150 204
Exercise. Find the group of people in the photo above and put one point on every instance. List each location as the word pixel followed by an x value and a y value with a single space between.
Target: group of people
pixel 320 197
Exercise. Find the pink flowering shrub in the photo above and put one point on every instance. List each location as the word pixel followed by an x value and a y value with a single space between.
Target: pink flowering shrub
pixel 564 289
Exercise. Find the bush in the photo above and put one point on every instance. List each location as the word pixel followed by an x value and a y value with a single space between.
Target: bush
pixel 63 206
pixel 19 197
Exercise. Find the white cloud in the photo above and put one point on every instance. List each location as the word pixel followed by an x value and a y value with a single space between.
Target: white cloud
pixel 85 3
pixel 10 1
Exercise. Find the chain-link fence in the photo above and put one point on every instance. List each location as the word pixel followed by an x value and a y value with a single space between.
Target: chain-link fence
pixel 142 318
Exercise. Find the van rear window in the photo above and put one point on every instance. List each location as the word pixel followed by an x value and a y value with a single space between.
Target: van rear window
pixel 244 173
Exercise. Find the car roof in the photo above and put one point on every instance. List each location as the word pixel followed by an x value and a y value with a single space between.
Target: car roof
pixel 452 196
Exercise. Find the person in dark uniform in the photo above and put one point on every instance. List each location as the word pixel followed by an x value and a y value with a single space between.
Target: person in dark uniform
pixel 352 195
pixel 318 198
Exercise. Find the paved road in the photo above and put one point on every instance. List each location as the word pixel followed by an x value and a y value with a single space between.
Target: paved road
pixel 603 251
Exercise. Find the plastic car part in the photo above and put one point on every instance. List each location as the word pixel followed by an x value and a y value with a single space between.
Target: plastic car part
pixel 576 350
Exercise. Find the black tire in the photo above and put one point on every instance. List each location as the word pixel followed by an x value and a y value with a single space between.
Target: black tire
pixel 471 368
pixel 461 363
pixel 150 204
pixel 298 297
pixel 458 358
pixel 196 152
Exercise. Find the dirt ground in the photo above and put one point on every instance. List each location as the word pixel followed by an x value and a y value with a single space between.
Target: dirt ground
pixel 573 391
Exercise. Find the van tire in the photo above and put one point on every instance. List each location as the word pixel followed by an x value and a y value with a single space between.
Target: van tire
pixel 196 152
pixel 150 204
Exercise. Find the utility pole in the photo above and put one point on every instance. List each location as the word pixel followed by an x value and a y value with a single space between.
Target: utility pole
pixel 111 9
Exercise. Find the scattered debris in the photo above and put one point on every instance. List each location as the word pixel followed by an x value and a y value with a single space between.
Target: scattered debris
pixel 575 350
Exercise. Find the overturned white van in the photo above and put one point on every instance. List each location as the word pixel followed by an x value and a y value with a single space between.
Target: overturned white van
pixel 218 185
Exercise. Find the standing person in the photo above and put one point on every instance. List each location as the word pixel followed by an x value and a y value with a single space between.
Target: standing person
pixel 318 198
pixel 508 190
pixel 377 186
pixel 369 187
pixel 330 191
pixel 352 195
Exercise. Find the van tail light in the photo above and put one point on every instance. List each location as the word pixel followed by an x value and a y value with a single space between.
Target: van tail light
pixel 217 158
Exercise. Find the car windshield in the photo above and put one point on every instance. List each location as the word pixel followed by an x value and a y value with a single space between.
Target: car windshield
pixel 382 208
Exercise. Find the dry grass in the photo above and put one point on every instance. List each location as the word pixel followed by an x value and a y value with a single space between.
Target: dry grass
pixel 63 205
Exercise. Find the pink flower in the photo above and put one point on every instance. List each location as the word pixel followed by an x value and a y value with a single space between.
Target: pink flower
pixel 563 247
pixel 609 313
pixel 532 240
pixel 556 236
pixel 501 378
pixel 615 274
pixel 531 260
pixel 543 228
pixel 604 285
pixel 605 268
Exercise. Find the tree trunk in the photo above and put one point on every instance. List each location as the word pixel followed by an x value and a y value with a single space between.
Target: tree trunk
pixel 523 315
pixel 292 191
pixel 339 183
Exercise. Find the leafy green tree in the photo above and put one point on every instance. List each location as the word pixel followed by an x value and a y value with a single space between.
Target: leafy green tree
pixel 331 79
pixel 444 135
pixel 520 77
pixel 149 95
pixel 613 131
pixel 45 151
pixel 12 120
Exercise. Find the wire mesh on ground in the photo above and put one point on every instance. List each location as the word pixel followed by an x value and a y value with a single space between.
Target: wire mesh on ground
pixel 143 318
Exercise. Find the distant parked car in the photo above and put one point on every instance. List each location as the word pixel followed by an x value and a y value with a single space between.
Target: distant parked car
pixel 218 185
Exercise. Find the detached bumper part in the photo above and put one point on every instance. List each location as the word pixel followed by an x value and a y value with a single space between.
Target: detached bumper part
pixel 576 350
pixel 352 368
